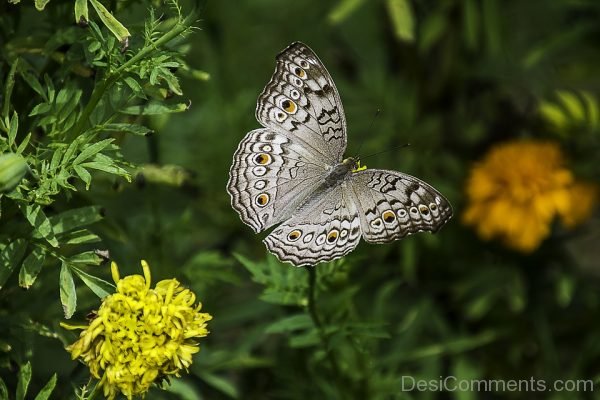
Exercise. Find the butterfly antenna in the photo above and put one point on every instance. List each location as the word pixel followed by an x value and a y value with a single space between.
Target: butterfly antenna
pixel 401 146
pixel 368 131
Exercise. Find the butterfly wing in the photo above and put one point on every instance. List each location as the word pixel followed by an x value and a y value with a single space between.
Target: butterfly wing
pixel 302 100
pixel 270 177
pixel 393 205
pixel 325 228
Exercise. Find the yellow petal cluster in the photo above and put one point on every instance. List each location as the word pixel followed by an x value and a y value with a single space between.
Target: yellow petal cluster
pixel 519 188
pixel 141 334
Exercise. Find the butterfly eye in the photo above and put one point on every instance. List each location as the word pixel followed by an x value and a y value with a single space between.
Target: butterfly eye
pixel 262 199
pixel 295 94
pixel 432 207
pixel 402 213
pixel 294 235
pixel 260 184
pixel 262 159
pixel 424 209
pixel 332 236
pixel 304 64
pixel 267 148
pixel 413 210
pixel 288 106
pixel 388 216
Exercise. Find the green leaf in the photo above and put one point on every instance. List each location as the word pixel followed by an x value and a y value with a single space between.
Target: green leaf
pixel 81 12
pixel 85 176
pixel 92 150
pixel 401 14
pixel 39 221
pixel 41 108
pixel 343 10
pixel 138 130
pixel 46 391
pixel 10 257
pixel 155 108
pixel 86 258
pixel 68 295
pixel 291 323
pixel 109 167
pixel 40 4
pixel 75 218
pixel 120 32
pixel 23 382
pixel 82 236
pixel 13 128
pixel 24 144
pixel 220 384
pixel 100 287
pixel 31 267
pixel 13 168
pixel 471 23
pixel 3 390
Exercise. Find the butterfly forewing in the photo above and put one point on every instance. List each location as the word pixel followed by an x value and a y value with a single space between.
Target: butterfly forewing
pixel 302 99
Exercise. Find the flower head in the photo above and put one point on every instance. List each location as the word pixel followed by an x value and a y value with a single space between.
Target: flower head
pixel 140 334
pixel 518 189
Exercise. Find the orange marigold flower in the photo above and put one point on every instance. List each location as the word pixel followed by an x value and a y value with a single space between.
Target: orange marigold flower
pixel 518 189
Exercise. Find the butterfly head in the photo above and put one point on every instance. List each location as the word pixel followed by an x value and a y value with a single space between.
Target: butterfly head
pixel 354 164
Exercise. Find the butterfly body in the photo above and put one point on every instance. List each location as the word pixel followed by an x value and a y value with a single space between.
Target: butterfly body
pixel 292 173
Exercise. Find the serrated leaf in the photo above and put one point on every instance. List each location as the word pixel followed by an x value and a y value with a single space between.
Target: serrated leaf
pixel 68 295
pixel 40 223
pixel 47 390
pixel 120 32
pixel 23 382
pixel 92 150
pixel 134 86
pixel 291 323
pixel 32 265
pixel 154 108
pixel 109 167
pixel 100 287
pixel 10 257
pixel 401 14
pixel 138 130
pixel 75 218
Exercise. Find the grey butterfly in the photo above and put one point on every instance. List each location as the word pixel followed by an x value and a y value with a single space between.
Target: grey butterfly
pixel 292 172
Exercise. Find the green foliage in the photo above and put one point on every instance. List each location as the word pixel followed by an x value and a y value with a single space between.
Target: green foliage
pixel 116 137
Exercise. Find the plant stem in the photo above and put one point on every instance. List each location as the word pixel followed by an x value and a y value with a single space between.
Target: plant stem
pixel 312 309
pixel 114 76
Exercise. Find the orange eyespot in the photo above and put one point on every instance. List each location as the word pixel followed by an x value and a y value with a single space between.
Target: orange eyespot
pixel 262 159
pixel 332 236
pixel 262 199
pixel 300 72
pixel 424 209
pixel 288 106
pixel 388 216
pixel 294 235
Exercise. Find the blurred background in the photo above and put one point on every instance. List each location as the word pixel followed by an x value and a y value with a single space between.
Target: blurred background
pixel 499 102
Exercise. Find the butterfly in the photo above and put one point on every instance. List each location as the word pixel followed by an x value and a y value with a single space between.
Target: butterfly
pixel 292 172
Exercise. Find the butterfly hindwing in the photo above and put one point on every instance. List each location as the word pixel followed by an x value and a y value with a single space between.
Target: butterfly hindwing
pixel 325 228
pixel 302 99
pixel 394 205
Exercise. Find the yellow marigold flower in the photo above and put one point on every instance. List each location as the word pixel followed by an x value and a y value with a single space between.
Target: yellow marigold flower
pixel 518 189
pixel 140 335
